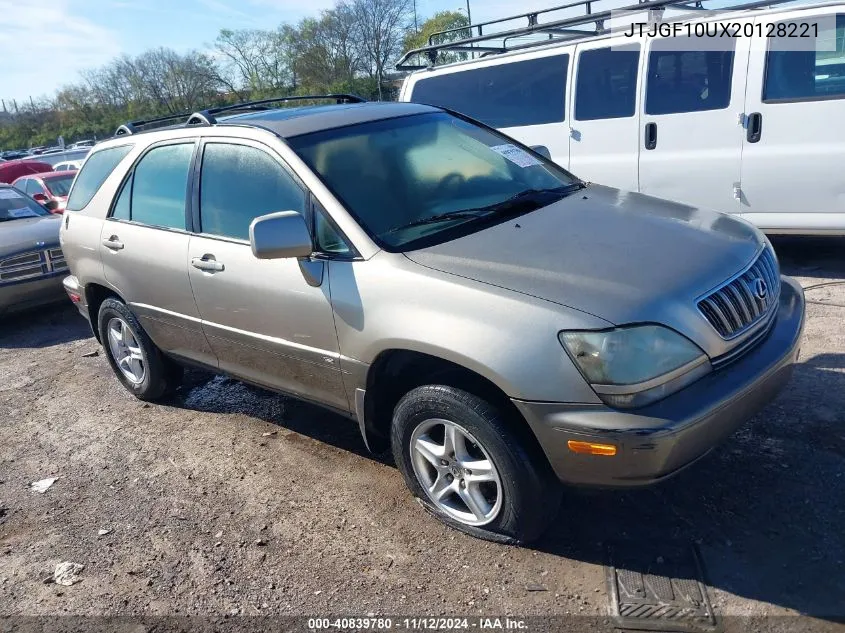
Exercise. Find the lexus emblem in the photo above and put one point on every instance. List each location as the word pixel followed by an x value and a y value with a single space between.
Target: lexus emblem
pixel 761 290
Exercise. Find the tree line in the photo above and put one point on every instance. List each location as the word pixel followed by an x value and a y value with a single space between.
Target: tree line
pixel 349 48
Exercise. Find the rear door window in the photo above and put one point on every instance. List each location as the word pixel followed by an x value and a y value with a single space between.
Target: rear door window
pixel 606 83
pixel 94 173
pixel 160 186
pixel 515 94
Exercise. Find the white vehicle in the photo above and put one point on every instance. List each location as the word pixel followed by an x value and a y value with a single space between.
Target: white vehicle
pixel 750 129
pixel 67 165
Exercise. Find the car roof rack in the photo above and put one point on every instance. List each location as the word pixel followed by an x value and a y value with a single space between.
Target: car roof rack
pixel 496 41
pixel 133 127
pixel 207 116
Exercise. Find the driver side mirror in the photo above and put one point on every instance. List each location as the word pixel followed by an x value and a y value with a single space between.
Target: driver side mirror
pixel 280 235
pixel 50 205
pixel 39 197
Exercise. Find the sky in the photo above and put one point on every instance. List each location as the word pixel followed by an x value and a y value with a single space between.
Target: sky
pixel 44 44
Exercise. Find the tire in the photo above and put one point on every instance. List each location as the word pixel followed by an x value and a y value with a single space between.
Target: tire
pixel 514 502
pixel 158 375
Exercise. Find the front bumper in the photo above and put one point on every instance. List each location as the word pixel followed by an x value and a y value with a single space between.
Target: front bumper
pixel 656 441
pixel 31 293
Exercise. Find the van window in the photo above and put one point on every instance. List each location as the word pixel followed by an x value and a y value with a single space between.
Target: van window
pixel 799 75
pixel 160 185
pixel 529 92
pixel 606 85
pixel 685 80
pixel 94 173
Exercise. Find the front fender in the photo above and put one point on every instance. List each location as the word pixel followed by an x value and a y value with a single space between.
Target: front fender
pixel 510 339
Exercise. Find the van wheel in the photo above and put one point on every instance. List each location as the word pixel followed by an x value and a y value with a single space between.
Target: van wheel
pixel 133 357
pixel 463 462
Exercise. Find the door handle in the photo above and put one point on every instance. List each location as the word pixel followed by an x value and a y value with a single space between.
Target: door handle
pixel 755 127
pixel 208 264
pixel 113 243
pixel 650 135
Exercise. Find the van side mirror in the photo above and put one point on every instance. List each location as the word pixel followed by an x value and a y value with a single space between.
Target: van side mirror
pixel 280 235
pixel 542 150
pixel 51 205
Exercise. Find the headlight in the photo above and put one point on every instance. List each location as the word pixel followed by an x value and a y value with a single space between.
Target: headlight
pixel 634 366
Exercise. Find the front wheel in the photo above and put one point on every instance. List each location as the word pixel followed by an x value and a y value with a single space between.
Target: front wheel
pixel 463 461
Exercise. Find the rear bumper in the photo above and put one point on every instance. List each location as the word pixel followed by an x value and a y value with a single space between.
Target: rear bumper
pixel 31 293
pixel 657 441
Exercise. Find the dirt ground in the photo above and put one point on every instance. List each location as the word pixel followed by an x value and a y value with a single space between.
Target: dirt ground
pixel 227 500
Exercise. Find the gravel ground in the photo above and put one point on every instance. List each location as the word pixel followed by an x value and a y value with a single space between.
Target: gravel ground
pixel 227 500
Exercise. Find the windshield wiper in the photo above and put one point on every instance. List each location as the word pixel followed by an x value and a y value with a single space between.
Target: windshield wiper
pixel 533 198
pixel 440 217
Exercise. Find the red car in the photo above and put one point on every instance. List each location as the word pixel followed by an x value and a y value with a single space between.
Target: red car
pixel 47 186
pixel 13 169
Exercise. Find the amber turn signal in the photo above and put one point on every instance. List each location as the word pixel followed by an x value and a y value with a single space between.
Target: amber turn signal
pixel 588 448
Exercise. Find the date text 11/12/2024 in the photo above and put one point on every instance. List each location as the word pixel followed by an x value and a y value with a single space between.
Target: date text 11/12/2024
pixel 417 623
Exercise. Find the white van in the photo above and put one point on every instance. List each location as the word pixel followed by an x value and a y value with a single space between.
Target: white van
pixel 754 130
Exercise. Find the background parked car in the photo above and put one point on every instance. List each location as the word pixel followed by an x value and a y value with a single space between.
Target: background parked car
pixel 83 144
pixel 68 165
pixel 62 157
pixel 14 169
pixel 31 262
pixel 51 185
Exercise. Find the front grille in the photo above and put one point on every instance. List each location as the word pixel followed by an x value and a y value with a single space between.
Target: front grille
pixel 32 265
pixel 744 300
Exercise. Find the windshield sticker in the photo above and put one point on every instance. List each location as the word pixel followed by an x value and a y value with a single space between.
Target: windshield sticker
pixel 515 155
pixel 9 194
pixel 22 213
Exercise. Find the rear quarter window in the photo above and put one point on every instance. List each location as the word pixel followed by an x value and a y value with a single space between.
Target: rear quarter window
pixel 93 174
pixel 514 94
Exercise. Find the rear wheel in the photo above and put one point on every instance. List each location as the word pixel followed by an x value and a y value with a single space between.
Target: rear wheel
pixel 133 357
pixel 466 465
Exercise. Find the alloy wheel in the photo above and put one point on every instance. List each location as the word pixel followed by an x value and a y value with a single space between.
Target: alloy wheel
pixel 126 351
pixel 456 472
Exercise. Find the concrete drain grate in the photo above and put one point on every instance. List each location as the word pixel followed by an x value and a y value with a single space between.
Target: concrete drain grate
pixel 659 588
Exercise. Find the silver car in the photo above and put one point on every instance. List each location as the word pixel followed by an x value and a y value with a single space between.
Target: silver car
pixel 499 324
pixel 31 262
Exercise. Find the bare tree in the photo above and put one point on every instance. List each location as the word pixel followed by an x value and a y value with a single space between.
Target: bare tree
pixel 382 26
pixel 254 59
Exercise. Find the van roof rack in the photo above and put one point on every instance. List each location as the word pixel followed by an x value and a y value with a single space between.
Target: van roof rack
pixel 493 42
pixel 207 116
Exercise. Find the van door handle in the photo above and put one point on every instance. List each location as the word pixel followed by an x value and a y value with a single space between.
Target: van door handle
pixel 207 263
pixel 755 127
pixel 650 135
pixel 113 243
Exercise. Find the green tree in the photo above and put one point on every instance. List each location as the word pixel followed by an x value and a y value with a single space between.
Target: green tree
pixel 442 21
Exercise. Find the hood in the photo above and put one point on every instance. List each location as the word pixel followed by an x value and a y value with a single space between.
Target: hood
pixel 29 234
pixel 624 257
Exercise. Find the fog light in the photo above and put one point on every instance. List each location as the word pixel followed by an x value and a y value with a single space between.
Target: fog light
pixel 588 448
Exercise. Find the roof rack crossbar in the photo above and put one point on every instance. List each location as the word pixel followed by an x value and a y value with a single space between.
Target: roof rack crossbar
pixel 206 117
pixel 487 39
pixel 133 127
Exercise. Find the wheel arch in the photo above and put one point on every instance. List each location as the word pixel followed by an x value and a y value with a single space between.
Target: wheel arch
pixel 95 294
pixel 396 371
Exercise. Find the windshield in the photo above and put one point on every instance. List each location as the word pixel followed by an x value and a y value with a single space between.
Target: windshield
pixel 16 206
pixel 417 180
pixel 59 186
